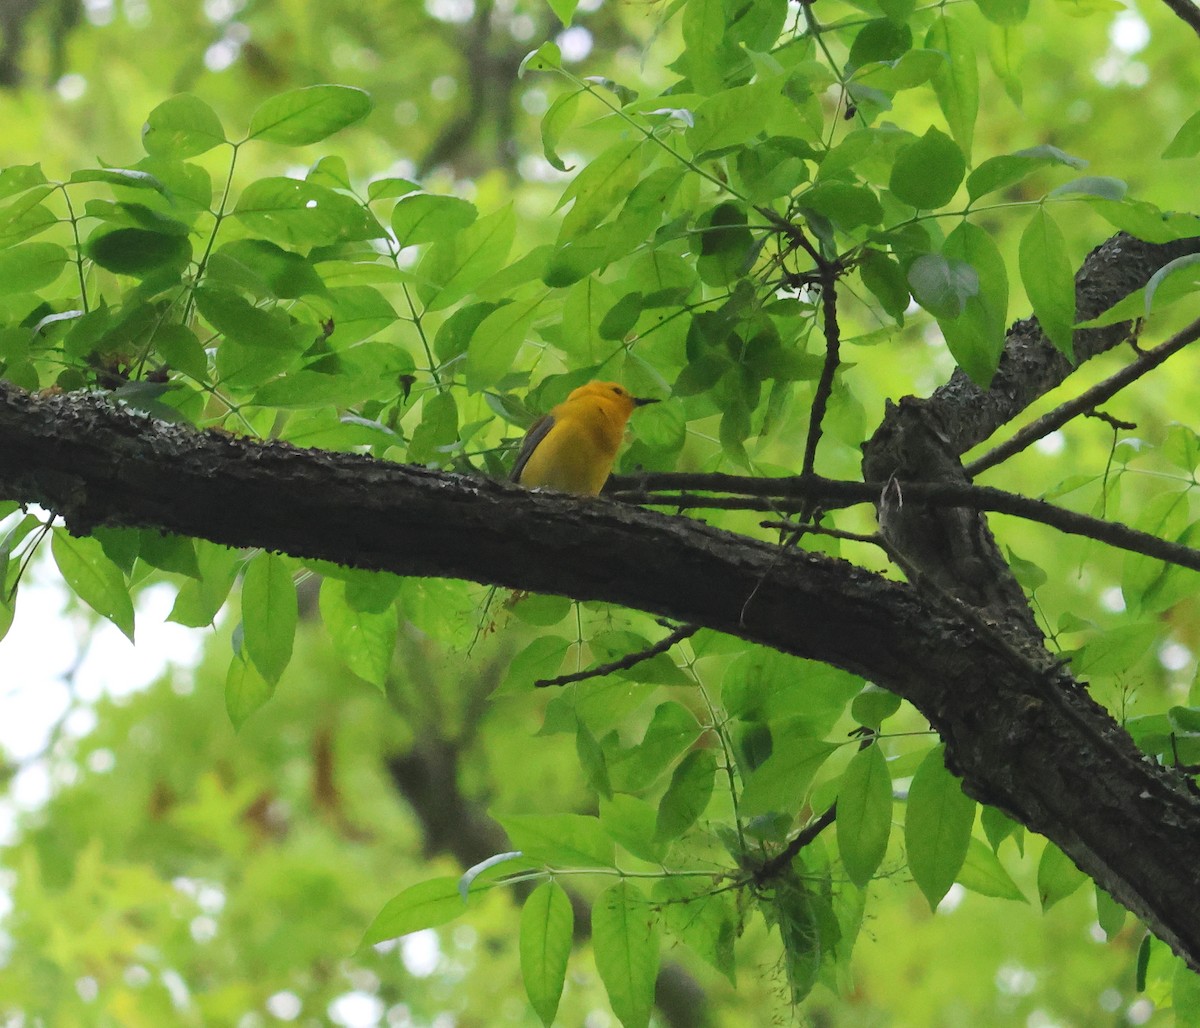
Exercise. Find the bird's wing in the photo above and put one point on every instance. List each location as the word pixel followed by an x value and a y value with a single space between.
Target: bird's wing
pixel 537 432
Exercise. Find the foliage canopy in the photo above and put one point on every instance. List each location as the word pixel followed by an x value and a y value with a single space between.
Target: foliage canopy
pixel 773 217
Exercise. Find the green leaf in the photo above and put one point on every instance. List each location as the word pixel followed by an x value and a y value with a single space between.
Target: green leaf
pixel 437 431
pixel 564 10
pixel 703 920
pixel 847 206
pixel 732 117
pixel 547 924
pixel 128 177
pixel 1183 273
pixel 1100 187
pixel 19 178
pixel 625 943
pixel 546 57
pixel 941 285
pixel 687 794
pixel 363 639
pixel 873 706
pixel 427 217
pixel 456 265
pixel 29 266
pixel 956 83
pixel 172 553
pixel 983 873
pixel 927 171
pixel 308 115
pixel 1049 279
pixel 976 337
pixel 94 578
pixel 199 601
pixel 137 251
pixel 424 905
pixel 672 729
pixel 1004 12
pixel 245 691
pixel 864 814
pixel 496 341
pixel 555 122
pixel 592 760
pixel 630 823
pixel 1109 913
pixel 242 322
pixel 704 39
pixel 604 182
pixel 269 614
pixel 178 346
pixel 884 277
pixel 879 40
pixel 1185 995
pixel 781 782
pixel 937 827
pixel 1008 169
pixel 265 269
pixel 998 826
pixel 297 213
pixel 800 932
pixel 569 840
pixel 1057 876
pixel 183 126
pixel 1186 142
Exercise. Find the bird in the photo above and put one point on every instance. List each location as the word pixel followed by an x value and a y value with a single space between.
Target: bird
pixel 572 449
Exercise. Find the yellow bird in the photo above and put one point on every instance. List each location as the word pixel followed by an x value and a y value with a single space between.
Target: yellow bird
pixel 572 448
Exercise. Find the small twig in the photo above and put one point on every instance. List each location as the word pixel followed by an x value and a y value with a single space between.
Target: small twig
pixel 1187 11
pixel 625 663
pixel 766 494
pixel 786 855
pixel 1086 401
pixel 1116 424
pixel 834 533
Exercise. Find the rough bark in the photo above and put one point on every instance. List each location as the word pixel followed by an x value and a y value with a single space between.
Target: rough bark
pixel 957 640
pixel 1022 735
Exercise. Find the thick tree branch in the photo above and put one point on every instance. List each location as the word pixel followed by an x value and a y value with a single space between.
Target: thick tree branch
pixel 1020 732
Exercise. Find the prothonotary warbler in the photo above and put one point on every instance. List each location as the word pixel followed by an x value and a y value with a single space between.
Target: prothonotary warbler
pixel 572 448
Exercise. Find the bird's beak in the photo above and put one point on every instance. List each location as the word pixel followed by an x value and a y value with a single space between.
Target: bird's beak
pixel 641 401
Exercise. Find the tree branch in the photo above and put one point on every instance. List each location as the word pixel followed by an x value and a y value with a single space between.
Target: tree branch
pixel 1018 730
pixel 1188 12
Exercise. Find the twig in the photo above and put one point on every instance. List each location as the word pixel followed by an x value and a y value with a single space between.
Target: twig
pixel 1086 401
pixel 766 494
pixel 626 662
pixel 827 273
pixel 1187 11
pixel 786 855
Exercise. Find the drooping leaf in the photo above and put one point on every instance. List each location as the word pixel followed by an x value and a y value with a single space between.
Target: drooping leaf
pixel 94 578
pixel 547 922
pixel 363 639
pixel 937 827
pixel 269 614
pixel 1057 876
pixel 625 942
pixel 1049 279
pixel 864 814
